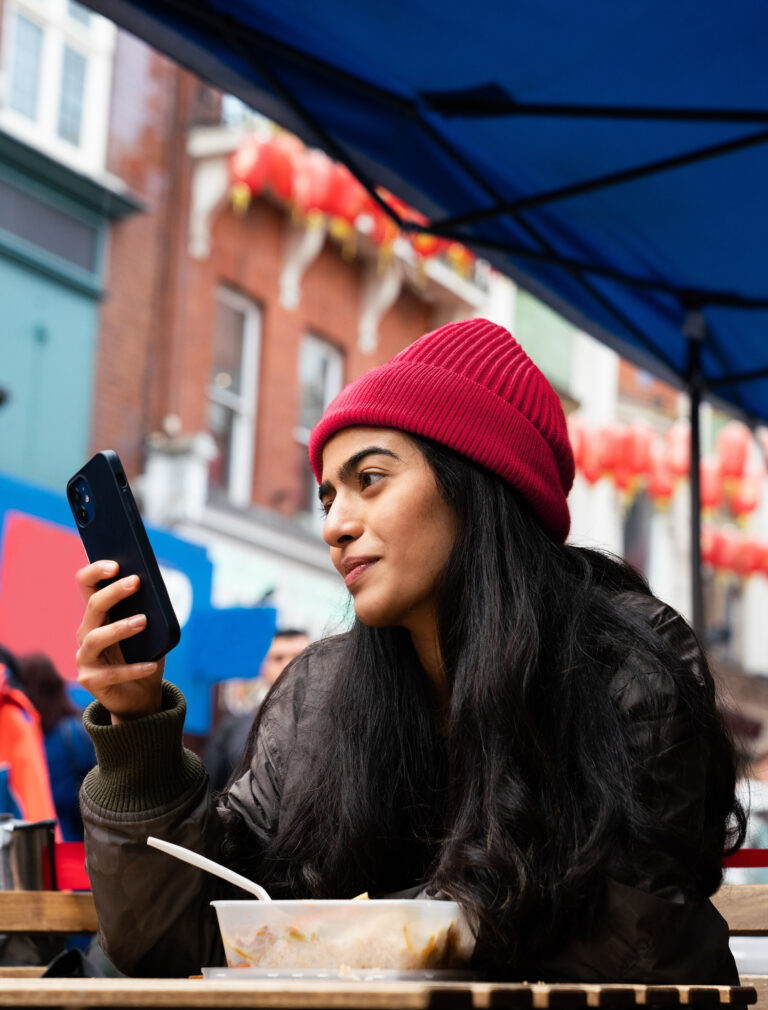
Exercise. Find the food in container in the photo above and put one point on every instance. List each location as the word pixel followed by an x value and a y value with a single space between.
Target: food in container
pixel 384 934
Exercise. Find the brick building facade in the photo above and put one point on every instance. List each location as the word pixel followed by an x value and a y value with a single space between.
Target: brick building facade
pixel 185 270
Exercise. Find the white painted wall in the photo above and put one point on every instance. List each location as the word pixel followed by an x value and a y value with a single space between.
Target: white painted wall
pixel 595 509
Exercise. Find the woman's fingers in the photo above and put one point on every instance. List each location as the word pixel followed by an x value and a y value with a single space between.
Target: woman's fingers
pixel 96 679
pixel 128 690
pixel 101 601
pixel 89 579
pixel 97 640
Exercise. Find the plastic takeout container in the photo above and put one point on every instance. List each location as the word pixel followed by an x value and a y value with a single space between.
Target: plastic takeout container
pixel 383 935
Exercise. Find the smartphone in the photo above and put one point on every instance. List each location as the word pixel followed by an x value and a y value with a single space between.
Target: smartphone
pixel 111 529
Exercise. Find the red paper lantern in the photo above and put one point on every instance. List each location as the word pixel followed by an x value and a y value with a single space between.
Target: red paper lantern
pixel 748 557
pixel 723 549
pixel 591 467
pixel 732 446
pixel 348 197
pixel 384 230
pixel 638 447
pixel 711 487
pixel 677 449
pixel 745 494
pixel 285 151
pixel 249 165
pixel 312 183
pixel 708 535
pixel 576 436
pixel 609 440
pixel 660 482
pixel 623 477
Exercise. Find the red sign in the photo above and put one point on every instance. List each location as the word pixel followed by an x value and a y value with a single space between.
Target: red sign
pixel 40 605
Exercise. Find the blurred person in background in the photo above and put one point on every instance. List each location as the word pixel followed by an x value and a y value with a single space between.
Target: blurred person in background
pixel 11 664
pixel 68 748
pixel 226 746
pixel 22 754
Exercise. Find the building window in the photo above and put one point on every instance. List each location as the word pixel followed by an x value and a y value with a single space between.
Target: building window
pixel 71 103
pixel 321 373
pixel 232 395
pixel 57 62
pixel 25 72
pixel 49 228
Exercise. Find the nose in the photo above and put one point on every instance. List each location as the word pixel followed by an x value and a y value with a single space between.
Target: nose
pixel 343 524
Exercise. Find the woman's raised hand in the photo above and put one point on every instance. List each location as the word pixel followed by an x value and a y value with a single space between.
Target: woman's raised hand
pixel 128 691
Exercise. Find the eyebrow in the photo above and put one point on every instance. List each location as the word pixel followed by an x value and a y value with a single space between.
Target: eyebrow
pixel 347 469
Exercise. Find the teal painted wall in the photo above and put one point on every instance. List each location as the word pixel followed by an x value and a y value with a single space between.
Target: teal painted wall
pixel 47 336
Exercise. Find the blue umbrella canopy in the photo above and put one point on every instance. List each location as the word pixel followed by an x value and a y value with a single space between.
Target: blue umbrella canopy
pixel 613 158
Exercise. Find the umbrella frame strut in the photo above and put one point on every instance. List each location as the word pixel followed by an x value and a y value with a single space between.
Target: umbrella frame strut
pixel 694 329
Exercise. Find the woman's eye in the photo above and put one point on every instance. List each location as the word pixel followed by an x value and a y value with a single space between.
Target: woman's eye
pixel 325 507
pixel 368 477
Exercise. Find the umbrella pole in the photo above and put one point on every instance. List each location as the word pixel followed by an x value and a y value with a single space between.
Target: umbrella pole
pixel 694 330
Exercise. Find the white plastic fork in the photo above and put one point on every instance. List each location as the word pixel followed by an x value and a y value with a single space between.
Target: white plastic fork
pixel 209 865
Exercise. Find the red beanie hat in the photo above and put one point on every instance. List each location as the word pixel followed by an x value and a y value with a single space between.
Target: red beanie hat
pixel 471 387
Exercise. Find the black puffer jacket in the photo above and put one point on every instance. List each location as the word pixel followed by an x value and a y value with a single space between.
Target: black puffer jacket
pixel 154 914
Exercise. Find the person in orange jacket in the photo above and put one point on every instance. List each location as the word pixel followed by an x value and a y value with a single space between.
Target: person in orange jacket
pixel 22 750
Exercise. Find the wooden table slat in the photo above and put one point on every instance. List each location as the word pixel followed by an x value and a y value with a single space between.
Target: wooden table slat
pixel 122 994
pixel 744 907
pixel 47 912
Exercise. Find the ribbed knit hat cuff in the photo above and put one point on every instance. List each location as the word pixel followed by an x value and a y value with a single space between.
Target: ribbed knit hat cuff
pixel 142 764
pixel 462 415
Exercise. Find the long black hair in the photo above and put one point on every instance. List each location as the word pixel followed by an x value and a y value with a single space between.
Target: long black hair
pixel 518 802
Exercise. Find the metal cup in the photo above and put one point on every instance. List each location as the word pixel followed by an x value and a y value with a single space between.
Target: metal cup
pixel 27 861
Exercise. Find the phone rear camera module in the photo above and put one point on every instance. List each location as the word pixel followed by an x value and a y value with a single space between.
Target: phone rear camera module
pixel 81 502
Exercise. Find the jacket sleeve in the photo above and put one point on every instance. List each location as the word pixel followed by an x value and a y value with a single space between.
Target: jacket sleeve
pixel 654 924
pixel 154 911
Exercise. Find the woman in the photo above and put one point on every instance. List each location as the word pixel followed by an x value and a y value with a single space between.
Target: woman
pixel 511 722
pixel 68 748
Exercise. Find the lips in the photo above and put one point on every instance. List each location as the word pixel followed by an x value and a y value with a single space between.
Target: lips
pixel 355 568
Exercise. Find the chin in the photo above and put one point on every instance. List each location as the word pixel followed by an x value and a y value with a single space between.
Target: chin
pixel 376 617
pixel 374 620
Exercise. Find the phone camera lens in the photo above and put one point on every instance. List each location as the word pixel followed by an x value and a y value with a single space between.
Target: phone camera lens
pixel 82 515
pixel 76 496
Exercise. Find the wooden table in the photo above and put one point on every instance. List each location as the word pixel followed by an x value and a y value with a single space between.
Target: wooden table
pixel 744 907
pixel 79 994
pixel 47 912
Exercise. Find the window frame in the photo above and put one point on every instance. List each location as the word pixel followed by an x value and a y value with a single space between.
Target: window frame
pixel 239 487
pixel 301 434
pixel 95 42
pixel 313 517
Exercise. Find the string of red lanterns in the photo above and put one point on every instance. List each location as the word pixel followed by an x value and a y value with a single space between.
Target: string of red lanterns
pixel 725 550
pixel 636 457
pixel 319 189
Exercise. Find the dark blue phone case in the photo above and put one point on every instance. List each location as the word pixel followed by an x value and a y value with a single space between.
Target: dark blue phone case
pixel 111 529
